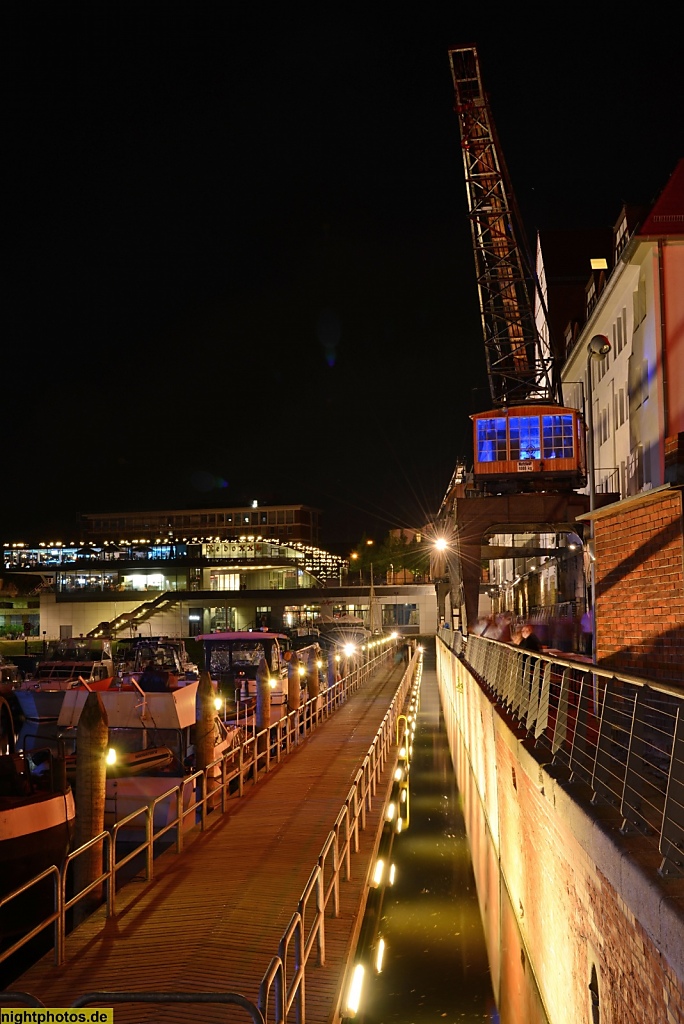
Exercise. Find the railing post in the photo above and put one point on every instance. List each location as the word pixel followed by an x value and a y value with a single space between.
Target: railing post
pixel 224 763
pixel 280 735
pixel 367 782
pixel 149 851
pixel 58 899
pixel 320 914
pixel 361 777
pixel 347 842
pixel 111 881
pixel 336 871
pixel 202 784
pixel 300 969
pixel 179 816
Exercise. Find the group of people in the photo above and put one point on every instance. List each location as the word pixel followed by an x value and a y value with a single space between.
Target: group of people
pixel 502 627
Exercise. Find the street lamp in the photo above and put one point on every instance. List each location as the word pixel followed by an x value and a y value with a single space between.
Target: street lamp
pixel 598 348
pixel 441 566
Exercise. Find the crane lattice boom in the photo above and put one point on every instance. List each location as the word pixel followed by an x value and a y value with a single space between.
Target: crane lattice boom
pixel 519 366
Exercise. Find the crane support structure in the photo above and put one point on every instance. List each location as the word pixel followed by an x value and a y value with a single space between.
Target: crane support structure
pixel 519 365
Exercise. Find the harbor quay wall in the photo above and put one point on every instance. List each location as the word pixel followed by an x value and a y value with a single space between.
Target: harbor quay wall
pixel 600 930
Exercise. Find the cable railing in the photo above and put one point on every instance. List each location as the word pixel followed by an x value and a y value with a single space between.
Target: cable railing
pixel 283 984
pixel 190 801
pixel 619 734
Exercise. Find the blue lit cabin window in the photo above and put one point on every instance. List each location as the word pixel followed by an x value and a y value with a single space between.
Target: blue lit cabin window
pixel 491 439
pixel 557 437
pixel 524 431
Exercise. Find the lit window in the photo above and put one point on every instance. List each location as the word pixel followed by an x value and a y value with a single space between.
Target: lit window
pixel 557 437
pixel 491 439
pixel 524 431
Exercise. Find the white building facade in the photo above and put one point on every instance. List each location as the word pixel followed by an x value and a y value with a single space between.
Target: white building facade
pixel 637 390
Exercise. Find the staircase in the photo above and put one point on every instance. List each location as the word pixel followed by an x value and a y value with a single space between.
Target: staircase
pixel 131 620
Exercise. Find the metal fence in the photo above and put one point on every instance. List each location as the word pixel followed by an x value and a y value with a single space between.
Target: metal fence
pixel 282 986
pixel 620 735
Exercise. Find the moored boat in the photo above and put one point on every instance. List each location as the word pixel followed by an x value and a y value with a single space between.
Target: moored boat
pixel 69 663
pixel 37 816
pixel 153 736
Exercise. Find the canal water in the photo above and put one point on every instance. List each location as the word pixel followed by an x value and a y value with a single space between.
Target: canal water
pixel 436 965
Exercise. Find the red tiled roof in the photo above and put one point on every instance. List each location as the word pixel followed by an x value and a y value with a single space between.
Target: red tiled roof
pixel 667 213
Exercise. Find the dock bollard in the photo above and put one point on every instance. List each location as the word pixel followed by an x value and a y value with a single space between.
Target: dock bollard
pixel 315 686
pixel 204 729
pixel 92 741
pixel 294 684
pixel 263 707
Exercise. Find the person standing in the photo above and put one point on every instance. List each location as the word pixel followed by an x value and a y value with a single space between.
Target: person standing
pixel 586 632
pixel 529 640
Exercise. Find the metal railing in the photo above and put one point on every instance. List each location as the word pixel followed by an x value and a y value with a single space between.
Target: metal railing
pixel 283 985
pixel 191 800
pixel 619 734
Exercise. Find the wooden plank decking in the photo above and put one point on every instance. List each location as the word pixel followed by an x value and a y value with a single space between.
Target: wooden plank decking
pixel 211 919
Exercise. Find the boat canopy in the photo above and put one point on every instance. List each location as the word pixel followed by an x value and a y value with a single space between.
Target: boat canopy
pixel 133 709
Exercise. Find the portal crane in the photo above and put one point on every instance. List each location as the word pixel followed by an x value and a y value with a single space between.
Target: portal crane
pixel 530 441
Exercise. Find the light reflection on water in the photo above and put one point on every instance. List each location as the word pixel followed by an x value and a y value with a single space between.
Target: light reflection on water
pixel 436 966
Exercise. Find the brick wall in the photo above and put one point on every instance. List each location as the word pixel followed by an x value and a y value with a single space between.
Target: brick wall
pixel 640 586
pixel 587 901
pixel 674 459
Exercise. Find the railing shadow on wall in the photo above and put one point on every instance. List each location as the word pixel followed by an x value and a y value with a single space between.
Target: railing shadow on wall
pixel 283 983
pixel 619 734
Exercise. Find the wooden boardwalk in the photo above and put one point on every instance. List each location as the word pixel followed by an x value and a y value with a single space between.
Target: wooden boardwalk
pixel 211 919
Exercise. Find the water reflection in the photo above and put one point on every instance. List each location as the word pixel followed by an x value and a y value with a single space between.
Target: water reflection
pixel 436 965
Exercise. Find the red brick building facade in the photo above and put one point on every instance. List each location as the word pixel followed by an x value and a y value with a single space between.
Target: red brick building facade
pixel 639 546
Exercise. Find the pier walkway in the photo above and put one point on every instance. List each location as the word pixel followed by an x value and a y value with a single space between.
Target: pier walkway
pixel 211 919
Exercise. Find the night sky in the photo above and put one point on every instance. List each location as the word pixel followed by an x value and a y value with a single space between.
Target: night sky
pixel 237 260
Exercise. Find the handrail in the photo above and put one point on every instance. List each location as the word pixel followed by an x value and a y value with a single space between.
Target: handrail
pixel 112 998
pixel 274 989
pixel 619 734
pixel 285 729
pixel 273 981
pixel 360 794
pixel 105 878
pixel 54 918
pixel 293 935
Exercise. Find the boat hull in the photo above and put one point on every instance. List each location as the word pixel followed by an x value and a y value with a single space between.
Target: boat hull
pixel 34 834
